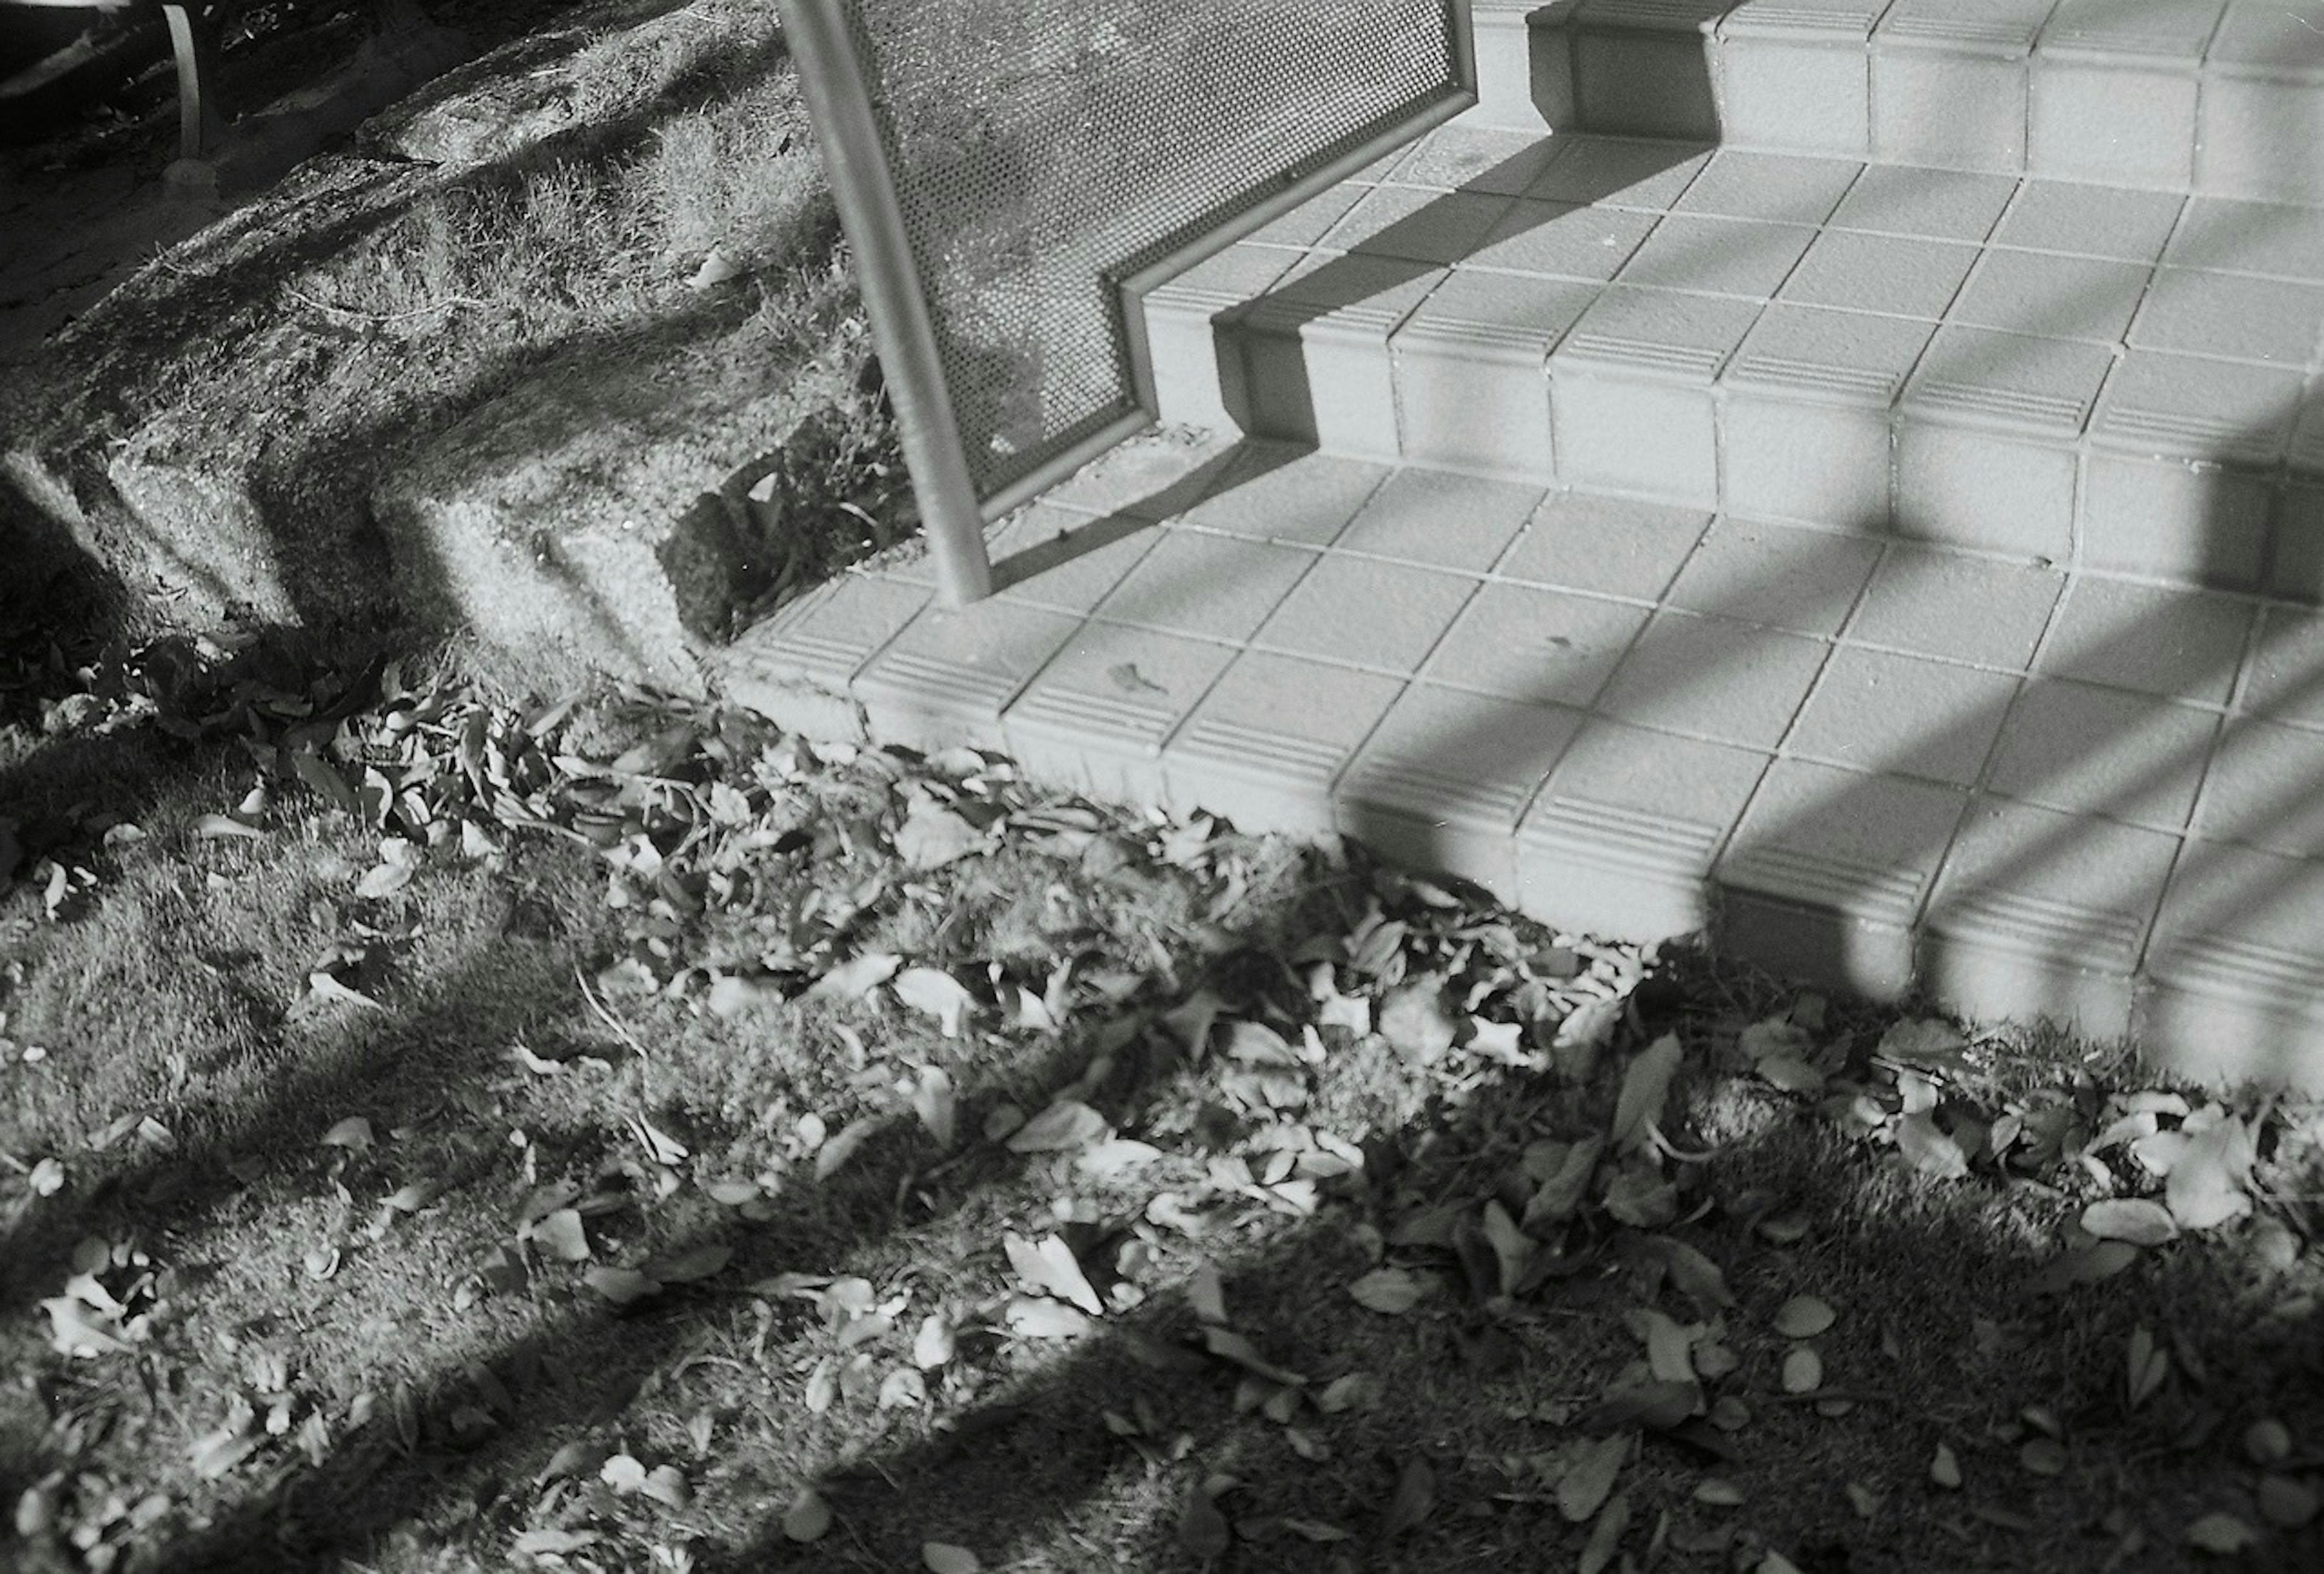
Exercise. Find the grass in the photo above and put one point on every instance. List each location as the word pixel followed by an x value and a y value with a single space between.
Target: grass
pixel 352 1346
pixel 615 1135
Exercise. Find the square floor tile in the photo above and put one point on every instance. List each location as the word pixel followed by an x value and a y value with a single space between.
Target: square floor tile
pixel 1659 332
pixel 1055 558
pixel 1562 239
pixel 2106 751
pixel 1805 581
pixel 2237 948
pixel 1904 715
pixel 1368 612
pixel 2091 221
pixel 2194 408
pixel 1778 188
pixel 2284 677
pixel 944 680
pixel 1214 587
pixel 1722 256
pixel 2038 293
pixel 1277 491
pixel 1519 310
pixel 1443 780
pixel 1964 609
pixel 2262 788
pixel 2230 314
pixel 1267 741
pixel 1477 158
pixel 1621 839
pixel 2042 914
pixel 2038 385
pixel 1522 643
pixel 1098 714
pixel 1731 683
pixel 1849 357
pixel 1442 517
pixel 2177 644
pixel 1153 477
pixel 2237 236
pixel 1620 171
pixel 1416 225
pixel 1890 274
pixel 1939 204
pixel 1610 546
pixel 1864 846
pixel 1307 224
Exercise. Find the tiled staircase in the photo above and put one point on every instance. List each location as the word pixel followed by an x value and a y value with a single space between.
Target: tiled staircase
pixel 1845 473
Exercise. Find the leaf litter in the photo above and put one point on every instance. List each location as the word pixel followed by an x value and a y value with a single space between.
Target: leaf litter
pixel 1601 1182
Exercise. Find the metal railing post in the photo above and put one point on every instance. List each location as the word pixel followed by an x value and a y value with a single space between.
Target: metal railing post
pixel 856 161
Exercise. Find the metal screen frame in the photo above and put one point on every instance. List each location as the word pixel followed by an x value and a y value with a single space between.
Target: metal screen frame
pixel 833 80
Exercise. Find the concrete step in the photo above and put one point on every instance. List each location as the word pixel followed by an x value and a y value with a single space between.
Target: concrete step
pixel 2086 376
pixel 1855 757
pixel 2220 97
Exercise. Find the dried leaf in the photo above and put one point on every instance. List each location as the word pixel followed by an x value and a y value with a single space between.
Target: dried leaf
pixel 621 1287
pixel 1803 1371
pixel 1203 1529
pixel 932 835
pixel 1926 1043
pixel 1944 1468
pixel 937 994
pixel 809 1517
pixel 1805 1317
pixel 561 1236
pixel 2140 1221
pixel 1694 1274
pixel 1590 1480
pixel 691 1265
pixel 1414 1020
pixel 837 1149
pixel 2208 1182
pixel 1391 1292
pixel 1048 1266
pixel 856 978
pixel 1646 1089
pixel 2084 1265
pixel 933 1345
pixel 945 1558
pixel 1065 1124
pixel 353 1132
pixel 1929 1149
pixel 1415 1495
pixel 937 1105
pixel 2222 1534
pixel 1606 1536
pixel 2285 1502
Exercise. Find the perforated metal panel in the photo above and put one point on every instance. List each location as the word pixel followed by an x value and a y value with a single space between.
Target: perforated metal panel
pixel 1043 151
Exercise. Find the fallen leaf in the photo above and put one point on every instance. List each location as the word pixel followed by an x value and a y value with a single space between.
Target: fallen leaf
pixel 2043 1457
pixel 932 836
pixel 937 994
pixel 1718 1493
pixel 621 1287
pixel 1410 1502
pixel 2222 1534
pixel 1606 1536
pixel 1203 1529
pixel 2285 1502
pixel 1391 1292
pixel 1065 1124
pixel 1803 1371
pixel 2083 1265
pixel 2207 1185
pixel 1924 1042
pixel 1356 1391
pixel 2266 1440
pixel 1590 1480
pixel 1803 1317
pixel 1414 1020
pixel 1048 1266
pixel 2139 1221
pixel 624 1473
pixel 837 1149
pixel 554 1544
pixel 560 1235
pixel 1646 1089
pixel 353 1132
pixel 809 1517
pixel 1928 1149
pixel 215 1454
pixel 933 1345
pixel 856 978
pixel 1944 1468
pixel 944 1558
pixel 934 1102
pixel 691 1265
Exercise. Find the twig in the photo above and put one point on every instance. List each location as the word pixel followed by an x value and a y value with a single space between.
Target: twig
pixel 621 1029
pixel 300 296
